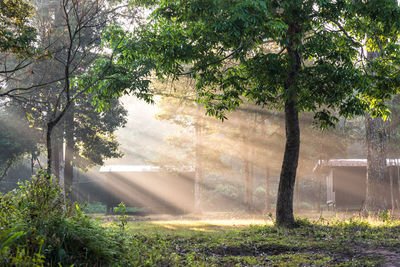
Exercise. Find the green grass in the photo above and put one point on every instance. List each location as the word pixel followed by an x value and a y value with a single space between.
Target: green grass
pixel 333 242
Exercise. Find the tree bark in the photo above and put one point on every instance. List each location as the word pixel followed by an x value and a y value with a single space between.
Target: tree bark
pixel 267 203
pixel 297 194
pixel 391 189
pixel 69 151
pixel 49 148
pixel 246 172
pixel 319 177
pixel 248 184
pixel 376 137
pixel 284 205
pixel 198 179
pixel 56 159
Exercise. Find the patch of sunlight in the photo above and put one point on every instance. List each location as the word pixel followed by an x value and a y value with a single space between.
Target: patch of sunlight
pixel 169 227
pixel 221 223
pixel 202 229
pixel 371 221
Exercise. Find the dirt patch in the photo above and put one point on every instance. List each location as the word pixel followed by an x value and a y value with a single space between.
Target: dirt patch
pixel 265 250
pixel 391 256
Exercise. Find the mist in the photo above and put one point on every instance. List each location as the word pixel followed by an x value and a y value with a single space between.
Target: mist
pixel 239 160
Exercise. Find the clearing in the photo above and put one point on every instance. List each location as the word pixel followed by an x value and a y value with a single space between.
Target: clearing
pixel 255 241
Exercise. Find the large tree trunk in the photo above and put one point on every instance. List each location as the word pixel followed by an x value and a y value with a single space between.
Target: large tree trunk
pixel 284 205
pixel 297 194
pixel 376 192
pixel 69 151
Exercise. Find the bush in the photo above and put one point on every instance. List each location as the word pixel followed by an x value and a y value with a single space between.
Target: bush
pixel 38 228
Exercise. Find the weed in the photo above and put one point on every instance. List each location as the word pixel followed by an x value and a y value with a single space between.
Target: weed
pixel 122 217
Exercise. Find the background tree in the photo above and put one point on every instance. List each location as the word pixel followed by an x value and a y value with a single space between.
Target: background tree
pixel 71 30
pixel 16 138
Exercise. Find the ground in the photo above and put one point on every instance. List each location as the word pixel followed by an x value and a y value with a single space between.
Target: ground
pixel 229 240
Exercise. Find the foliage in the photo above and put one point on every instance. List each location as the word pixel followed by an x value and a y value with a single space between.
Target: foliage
pixel 70 54
pixel 16 33
pixel 117 74
pixel 121 210
pixel 235 49
pixel 94 133
pixel 39 228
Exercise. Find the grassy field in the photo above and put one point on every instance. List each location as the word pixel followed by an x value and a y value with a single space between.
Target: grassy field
pixel 255 241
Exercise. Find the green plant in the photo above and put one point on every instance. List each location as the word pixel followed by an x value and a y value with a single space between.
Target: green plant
pixel 121 210
pixel 38 227
pixel 385 216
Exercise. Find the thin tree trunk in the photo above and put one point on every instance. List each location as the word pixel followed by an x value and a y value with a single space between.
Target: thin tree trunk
pixel 246 172
pixel 319 193
pixel 198 179
pixel 32 164
pixel 49 148
pixel 69 150
pixel 77 193
pixel 398 184
pixel 56 159
pixel 246 163
pixel 267 203
pixel 249 186
pixel 391 188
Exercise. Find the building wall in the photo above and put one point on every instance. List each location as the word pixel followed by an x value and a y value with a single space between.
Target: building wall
pixel 349 184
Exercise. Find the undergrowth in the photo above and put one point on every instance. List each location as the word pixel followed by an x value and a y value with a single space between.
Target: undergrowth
pixel 333 242
pixel 39 228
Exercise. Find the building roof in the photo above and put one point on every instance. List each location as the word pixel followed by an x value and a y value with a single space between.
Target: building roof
pixel 144 168
pixel 331 163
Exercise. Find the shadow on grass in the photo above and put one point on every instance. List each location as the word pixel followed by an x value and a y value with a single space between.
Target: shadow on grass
pixel 353 242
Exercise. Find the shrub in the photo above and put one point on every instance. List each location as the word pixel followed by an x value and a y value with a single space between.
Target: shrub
pixel 39 228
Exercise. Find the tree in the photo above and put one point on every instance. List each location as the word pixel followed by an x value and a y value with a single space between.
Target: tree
pixel 16 138
pixel 16 34
pixel 318 66
pixel 18 39
pixel 71 31
pixel 376 197
pixel 377 185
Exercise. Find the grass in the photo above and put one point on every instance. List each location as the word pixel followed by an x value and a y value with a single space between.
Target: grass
pixel 256 242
